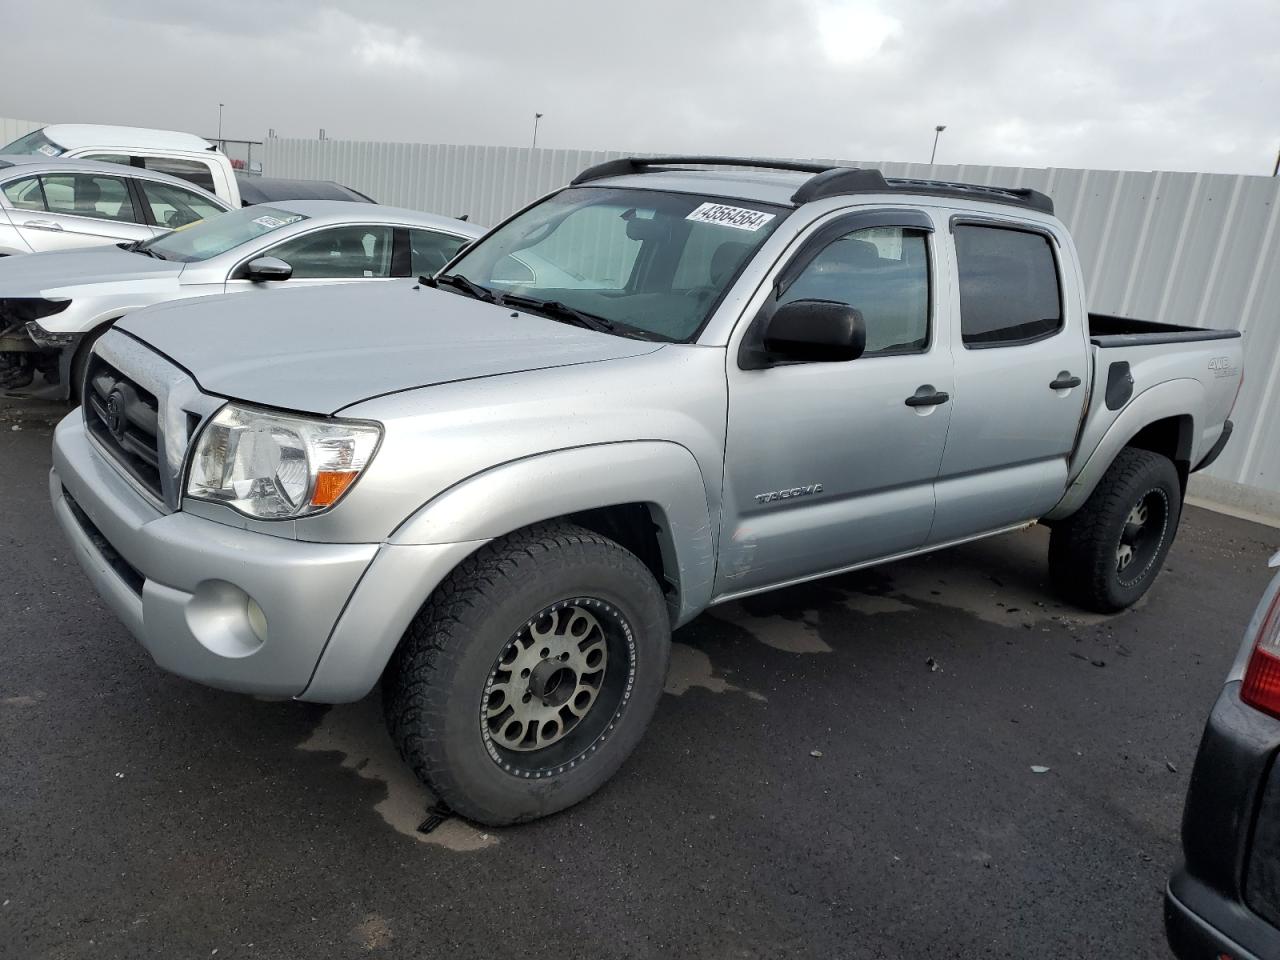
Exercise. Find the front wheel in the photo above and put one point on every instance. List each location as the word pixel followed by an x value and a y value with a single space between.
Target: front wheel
pixel 1106 555
pixel 530 675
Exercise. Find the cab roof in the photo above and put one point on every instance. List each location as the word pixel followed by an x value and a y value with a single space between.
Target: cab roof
pixel 73 136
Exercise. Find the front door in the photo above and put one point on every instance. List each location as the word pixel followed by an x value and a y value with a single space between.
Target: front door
pixel 339 254
pixel 826 464
pixel 1021 368
pixel 61 211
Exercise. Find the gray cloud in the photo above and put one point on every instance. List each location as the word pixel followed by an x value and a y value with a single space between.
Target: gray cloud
pixel 1177 85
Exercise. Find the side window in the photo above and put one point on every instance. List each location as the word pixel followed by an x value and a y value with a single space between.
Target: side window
pixel 884 273
pixel 24 194
pixel 88 195
pixel 123 159
pixel 339 253
pixel 429 251
pixel 1009 291
pixel 192 171
pixel 174 207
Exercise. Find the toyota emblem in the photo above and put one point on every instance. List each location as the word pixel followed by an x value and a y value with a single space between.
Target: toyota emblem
pixel 115 414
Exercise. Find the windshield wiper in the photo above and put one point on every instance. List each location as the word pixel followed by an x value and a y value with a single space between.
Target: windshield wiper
pixel 458 282
pixel 137 247
pixel 556 310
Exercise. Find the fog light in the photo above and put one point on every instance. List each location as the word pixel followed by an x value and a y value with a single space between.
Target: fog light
pixel 257 619
pixel 225 619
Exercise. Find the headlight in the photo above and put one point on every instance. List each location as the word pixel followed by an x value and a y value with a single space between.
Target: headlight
pixel 278 466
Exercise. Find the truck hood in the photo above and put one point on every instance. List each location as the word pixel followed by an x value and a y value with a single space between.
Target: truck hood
pixel 319 349
pixel 62 274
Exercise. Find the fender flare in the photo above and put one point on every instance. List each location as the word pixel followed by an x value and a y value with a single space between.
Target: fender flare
pixel 1174 398
pixel 660 474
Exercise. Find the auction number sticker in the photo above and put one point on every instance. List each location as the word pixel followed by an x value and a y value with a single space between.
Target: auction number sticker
pixel 740 218
pixel 271 223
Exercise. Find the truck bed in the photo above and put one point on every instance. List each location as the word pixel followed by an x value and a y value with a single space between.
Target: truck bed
pixel 1108 331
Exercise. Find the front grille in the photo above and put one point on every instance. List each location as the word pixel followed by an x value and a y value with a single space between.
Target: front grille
pixel 124 418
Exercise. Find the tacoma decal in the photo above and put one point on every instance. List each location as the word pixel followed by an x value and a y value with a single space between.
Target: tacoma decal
pixel 773 495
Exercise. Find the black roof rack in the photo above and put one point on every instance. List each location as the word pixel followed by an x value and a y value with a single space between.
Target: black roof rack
pixel 827 180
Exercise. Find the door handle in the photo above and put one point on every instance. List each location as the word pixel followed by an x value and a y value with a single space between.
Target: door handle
pixel 1065 382
pixel 44 225
pixel 927 399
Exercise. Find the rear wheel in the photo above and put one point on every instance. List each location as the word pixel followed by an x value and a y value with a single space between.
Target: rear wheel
pixel 530 675
pixel 1107 554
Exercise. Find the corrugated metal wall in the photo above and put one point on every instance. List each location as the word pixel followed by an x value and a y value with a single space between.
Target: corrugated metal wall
pixel 11 130
pixel 1194 249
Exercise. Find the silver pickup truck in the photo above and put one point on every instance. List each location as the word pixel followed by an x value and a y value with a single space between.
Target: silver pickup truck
pixel 674 383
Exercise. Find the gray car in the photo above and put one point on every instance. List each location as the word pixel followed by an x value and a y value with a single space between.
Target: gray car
pixel 53 307
pixel 51 204
pixel 498 495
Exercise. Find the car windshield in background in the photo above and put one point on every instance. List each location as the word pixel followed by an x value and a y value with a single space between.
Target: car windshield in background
pixel 210 238
pixel 34 143
pixel 657 263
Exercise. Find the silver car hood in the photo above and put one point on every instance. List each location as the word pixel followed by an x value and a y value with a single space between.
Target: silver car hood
pixel 319 349
pixel 61 274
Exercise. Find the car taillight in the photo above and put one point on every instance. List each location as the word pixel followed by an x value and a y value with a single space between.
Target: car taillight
pixel 1261 688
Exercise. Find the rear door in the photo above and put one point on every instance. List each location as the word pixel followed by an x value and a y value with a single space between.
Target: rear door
pixel 60 211
pixel 1020 372
pixel 429 250
pixel 826 464
pixel 167 207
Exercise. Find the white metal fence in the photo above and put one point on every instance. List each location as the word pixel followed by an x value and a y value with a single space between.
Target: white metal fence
pixel 11 130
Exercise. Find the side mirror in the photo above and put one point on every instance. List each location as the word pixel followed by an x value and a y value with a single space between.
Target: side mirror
pixel 815 330
pixel 265 269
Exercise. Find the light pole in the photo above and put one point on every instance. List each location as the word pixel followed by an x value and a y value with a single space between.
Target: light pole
pixel 536 118
pixel 220 106
pixel 937 132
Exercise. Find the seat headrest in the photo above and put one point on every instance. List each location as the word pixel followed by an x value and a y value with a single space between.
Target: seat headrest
pixel 726 259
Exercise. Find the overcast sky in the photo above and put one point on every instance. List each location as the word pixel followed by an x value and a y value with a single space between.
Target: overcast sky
pixel 1158 84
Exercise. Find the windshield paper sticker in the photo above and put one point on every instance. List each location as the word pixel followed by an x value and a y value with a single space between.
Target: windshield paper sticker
pixel 737 217
pixel 271 223
pixel 49 150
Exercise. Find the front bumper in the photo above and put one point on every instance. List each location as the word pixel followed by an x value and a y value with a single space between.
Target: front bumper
pixel 234 608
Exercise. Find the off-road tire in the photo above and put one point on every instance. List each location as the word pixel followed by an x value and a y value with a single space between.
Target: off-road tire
pixel 436 685
pixel 1084 549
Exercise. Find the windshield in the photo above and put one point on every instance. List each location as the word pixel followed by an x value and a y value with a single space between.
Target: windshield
pixel 209 238
pixel 656 262
pixel 34 143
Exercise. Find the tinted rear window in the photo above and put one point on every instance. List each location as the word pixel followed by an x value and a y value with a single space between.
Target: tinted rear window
pixel 1009 291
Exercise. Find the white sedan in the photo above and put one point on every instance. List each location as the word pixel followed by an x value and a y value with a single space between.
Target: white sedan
pixel 53 306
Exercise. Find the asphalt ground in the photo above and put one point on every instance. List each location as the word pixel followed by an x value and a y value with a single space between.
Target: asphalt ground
pixel 843 769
